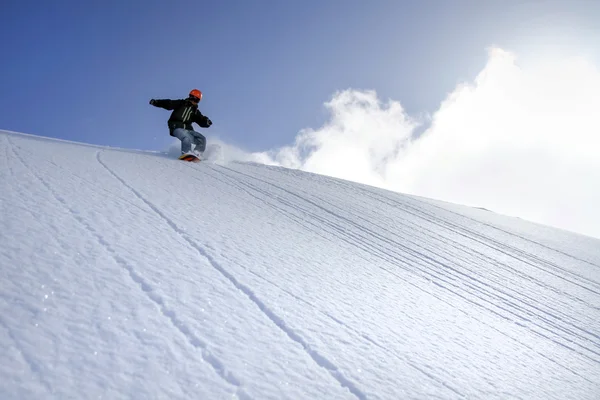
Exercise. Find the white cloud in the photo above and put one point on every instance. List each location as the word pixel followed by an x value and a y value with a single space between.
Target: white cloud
pixel 522 140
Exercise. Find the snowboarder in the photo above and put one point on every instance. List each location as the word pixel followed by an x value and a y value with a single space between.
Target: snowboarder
pixel 185 112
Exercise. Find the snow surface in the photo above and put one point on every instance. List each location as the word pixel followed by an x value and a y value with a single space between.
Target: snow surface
pixel 129 274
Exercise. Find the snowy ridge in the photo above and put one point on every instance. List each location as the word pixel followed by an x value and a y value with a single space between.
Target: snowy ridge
pixel 133 275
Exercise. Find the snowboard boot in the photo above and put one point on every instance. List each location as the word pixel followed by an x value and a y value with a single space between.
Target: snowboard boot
pixel 197 153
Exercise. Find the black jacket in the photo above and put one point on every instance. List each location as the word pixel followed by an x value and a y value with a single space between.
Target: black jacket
pixel 184 113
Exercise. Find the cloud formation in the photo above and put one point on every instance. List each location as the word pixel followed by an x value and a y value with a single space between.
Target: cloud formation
pixel 522 140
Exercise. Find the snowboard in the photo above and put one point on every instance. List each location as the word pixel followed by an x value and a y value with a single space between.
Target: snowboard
pixel 189 157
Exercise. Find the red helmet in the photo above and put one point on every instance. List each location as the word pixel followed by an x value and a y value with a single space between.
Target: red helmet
pixel 196 93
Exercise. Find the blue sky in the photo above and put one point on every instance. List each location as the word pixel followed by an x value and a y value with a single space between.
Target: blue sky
pixel 85 70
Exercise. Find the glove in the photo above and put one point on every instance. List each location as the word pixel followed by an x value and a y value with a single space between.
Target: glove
pixel 205 122
pixel 152 101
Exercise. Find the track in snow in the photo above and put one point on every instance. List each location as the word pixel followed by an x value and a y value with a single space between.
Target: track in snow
pixel 321 361
pixel 335 287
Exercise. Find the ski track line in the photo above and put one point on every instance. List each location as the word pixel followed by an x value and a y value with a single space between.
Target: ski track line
pixel 360 334
pixel 516 235
pixel 455 270
pixel 515 302
pixel 561 307
pixel 463 253
pixel 515 253
pixel 459 247
pixel 429 276
pixel 558 310
pixel 478 237
pixel 366 337
pixel 148 290
pixel 471 253
pixel 500 291
pixel 469 257
pixel 335 231
pixel 403 203
pixel 321 361
pixel 234 183
pixel 510 300
pixel 429 262
pixel 505 249
pixel 382 252
pixel 471 273
pixel 489 241
pixel 340 234
pixel 435 263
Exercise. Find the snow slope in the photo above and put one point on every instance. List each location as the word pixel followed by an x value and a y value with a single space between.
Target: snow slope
pixel 132 275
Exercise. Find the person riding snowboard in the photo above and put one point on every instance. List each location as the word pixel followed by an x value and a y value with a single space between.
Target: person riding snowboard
pixel 185 112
